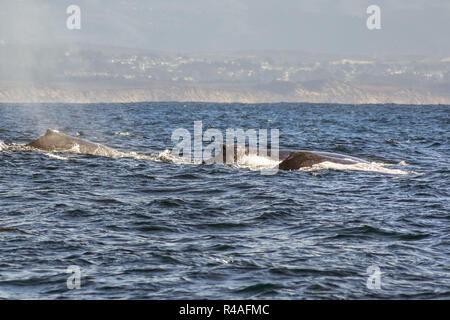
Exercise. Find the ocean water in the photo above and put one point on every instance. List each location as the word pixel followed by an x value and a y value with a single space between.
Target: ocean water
pixel 148 226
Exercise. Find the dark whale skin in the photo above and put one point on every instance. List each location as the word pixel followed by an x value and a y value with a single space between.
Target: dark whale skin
pixel 305 159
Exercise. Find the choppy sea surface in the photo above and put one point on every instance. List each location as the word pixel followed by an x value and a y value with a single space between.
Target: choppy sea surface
pixel 151 227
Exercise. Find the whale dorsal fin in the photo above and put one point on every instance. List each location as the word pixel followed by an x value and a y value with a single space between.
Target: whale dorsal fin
pixel 51 131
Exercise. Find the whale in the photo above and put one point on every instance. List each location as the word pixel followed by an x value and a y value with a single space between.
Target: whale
pixel 56 141
pixel 289 159
pixel 304 159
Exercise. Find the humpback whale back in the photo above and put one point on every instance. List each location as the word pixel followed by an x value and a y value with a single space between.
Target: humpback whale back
pixel 303 159
pixel 289 160
pixel 54 140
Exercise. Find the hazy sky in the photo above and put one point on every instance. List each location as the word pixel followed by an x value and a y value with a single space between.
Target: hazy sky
pixel 327 26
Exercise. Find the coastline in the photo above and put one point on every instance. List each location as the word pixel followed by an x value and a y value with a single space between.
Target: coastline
pixel 330 92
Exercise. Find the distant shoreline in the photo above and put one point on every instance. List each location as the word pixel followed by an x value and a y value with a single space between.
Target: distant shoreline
pixel 331 92
pixel 96 74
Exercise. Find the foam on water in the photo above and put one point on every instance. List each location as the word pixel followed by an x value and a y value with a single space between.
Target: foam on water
pixel 255 162
pixel 56 157
pixel 163 156
pixel 167 156
pixel 370 167
pixel 14 147
pixel 100 150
